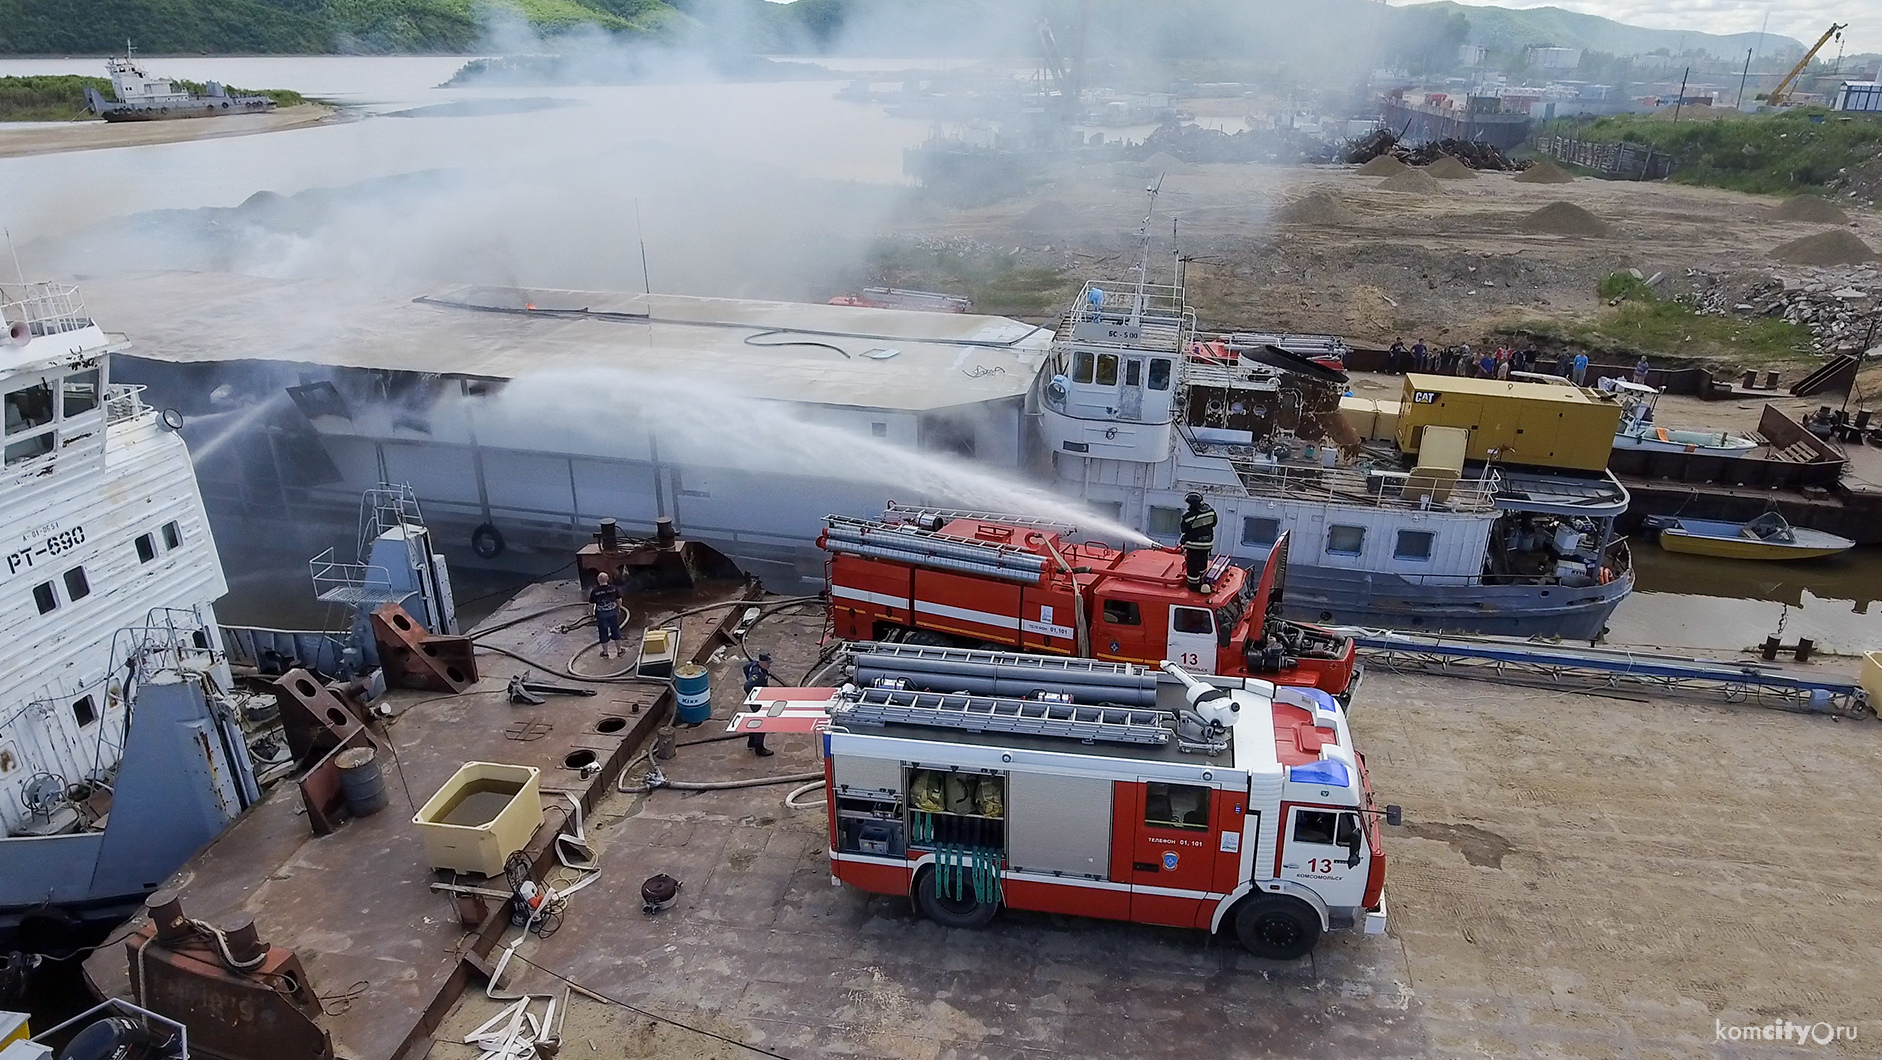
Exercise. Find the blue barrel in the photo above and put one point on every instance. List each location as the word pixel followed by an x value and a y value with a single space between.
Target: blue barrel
pixel 361 783
pixel 692 686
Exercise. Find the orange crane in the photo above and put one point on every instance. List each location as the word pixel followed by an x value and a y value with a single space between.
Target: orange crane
pixel 1782 91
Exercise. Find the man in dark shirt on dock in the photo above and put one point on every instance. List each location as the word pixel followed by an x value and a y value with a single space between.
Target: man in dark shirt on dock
pixel 605 600
pixel 1198 540
pixel 758 675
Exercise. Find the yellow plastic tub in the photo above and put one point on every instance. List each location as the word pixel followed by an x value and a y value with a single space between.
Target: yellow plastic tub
pixel 483 814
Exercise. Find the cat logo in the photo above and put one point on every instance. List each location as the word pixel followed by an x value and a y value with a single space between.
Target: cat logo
pixel 1425 397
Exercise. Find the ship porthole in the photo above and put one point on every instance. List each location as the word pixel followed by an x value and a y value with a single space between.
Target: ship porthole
pixel 487 541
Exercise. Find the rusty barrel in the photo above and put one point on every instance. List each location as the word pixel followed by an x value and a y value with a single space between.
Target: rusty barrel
pixel 360 781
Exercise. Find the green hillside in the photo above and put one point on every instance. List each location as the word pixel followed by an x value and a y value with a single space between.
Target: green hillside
pixel 294 27
pixel 1802 150
pixel 1497 28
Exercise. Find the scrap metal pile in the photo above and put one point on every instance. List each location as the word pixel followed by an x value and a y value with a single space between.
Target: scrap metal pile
pixel 1195 144
pixel 1472 153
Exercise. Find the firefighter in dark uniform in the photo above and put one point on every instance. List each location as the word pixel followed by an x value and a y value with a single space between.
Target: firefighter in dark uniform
pixel 758 675
pixel 1198 540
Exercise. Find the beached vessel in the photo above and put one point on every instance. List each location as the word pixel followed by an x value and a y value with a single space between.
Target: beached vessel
pixel 1639 431
pixel 142 97
pixel 1770 537
pixel 119 756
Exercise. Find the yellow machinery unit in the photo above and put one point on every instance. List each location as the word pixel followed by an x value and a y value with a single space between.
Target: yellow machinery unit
pixel 1533 424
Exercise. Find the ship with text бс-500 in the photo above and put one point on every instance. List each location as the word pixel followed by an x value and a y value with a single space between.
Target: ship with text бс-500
pixel 120 754
pixel 1472 506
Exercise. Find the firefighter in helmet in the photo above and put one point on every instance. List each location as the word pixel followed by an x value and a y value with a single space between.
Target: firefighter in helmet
pixel 1198 540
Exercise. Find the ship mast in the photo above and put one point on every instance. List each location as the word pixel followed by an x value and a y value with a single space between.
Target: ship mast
pixel 1141 299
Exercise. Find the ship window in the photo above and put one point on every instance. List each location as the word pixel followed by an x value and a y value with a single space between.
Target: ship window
pixel 1165 522
pixel 1107 369
pixel 1259 531
pixel 45 597
pixel 1122 613
pixel 37 445
pixel 1133 373
pixel 1413 544
pixel 81 393
pixel 1192 620
pixel 77 586
pixel 84 712
pixel 1177 806
pixel 1160 373
pixel 1081 367
pixel 878 430
pixel 146 548
pixel 1313 826
pixel 172 535
pixel 27 408
pixel 1345 540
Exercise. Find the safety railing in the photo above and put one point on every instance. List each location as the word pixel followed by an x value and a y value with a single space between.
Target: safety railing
pixel 45 308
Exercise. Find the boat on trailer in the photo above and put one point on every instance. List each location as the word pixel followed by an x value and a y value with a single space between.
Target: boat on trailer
pixel 1770 537
pixel 1638 431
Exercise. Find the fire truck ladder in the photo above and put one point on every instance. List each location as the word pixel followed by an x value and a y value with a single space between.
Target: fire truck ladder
pixel 1575 667
pixel 1030 717
pixel 1042 664
pixel 902 543
pixel 914 511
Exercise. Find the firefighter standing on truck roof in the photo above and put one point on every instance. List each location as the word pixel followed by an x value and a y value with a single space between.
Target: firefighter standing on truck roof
pixel 1198 540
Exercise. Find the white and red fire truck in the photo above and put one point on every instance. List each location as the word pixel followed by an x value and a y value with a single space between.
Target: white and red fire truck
pixel 1224 804
pixel 968 580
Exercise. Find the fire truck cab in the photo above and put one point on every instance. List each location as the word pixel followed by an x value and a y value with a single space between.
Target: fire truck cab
pixel 1221 804
pixel 981 581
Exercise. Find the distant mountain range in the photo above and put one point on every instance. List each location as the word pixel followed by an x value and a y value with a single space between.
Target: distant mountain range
pixel 1501 27
pixel 1297 31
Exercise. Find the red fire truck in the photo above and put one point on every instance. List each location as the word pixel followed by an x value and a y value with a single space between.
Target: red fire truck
pixel 972 581
pixel 1225 804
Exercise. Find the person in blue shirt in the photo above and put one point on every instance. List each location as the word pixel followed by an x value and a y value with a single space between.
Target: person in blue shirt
pixel 605 601
pixel 1581 368
pixel 758 675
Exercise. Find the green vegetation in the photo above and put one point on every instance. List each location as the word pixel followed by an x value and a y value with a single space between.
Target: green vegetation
pixel 1802 150
pixel 48 98
pixel 62 97
pixel 988 276
pixel 1638 321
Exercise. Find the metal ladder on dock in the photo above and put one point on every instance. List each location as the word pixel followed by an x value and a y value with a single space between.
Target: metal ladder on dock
pixel 1032 717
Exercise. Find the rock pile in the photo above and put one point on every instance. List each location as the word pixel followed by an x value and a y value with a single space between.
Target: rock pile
pixel 1383 166
pixel 1316 208
pixel 1412 181
pixel 1564 219
pixel 1813 208
pixel 1838 305
pixel 1835 247
pixel 1448 168
pixel 1544 172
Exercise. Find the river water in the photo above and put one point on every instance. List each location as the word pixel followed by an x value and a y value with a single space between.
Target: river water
pixel 791 129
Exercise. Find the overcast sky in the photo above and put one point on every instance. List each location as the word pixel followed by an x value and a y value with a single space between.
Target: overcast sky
pixel 1802 20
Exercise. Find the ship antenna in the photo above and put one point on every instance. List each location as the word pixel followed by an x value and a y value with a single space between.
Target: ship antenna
pixel 1138 303
pixel 15 251
pixel 645 279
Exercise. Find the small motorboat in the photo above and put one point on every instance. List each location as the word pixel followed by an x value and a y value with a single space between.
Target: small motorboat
pixel 1768 536
pixel 1638 431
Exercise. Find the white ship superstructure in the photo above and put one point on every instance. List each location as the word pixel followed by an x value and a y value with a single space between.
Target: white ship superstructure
pixel 106 570
pixel 1138 412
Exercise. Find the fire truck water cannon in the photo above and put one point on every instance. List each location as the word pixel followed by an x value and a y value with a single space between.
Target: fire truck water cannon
pixel 1216 708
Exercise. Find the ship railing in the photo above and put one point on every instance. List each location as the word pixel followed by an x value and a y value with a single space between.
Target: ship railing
pixel 1163 319
pixel 124 402
pixel 45 308
pixel 1371 488
pixel 356 585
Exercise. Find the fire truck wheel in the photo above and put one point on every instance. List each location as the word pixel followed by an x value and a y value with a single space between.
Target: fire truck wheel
pixel 968 912
pixel 1277 927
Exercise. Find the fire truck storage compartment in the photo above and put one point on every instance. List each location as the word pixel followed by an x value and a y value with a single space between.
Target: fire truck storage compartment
pixel 869 807
pixel 1059 825
pixel 959 811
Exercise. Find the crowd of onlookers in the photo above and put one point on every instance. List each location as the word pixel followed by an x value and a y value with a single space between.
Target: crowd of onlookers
pixel 1491 363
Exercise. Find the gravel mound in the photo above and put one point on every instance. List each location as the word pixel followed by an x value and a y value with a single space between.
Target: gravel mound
pixel 1412 182
pixel 1564 219
pixel 1813 208
pixel 1544 173
pixel 1835 247
pixel 1383 166
pixel 1316 208
pixel 1448 168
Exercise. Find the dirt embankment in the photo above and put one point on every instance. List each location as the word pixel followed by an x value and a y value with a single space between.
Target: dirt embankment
pixel 50 137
